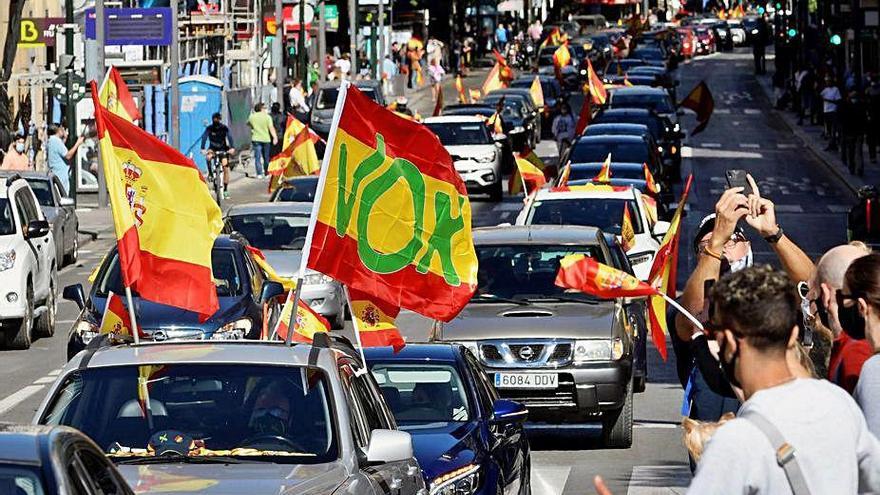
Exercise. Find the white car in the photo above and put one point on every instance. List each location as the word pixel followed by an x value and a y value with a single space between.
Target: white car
pixel 737 31
pixel 475 154
pixel 602 209
pixel 27 266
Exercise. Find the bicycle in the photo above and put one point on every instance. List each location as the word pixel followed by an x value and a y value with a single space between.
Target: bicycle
pixel 215 172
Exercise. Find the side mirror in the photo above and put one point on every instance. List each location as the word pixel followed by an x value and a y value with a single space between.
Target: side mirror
pixel 660 229
pixel 507 411
pixel 36 229
pixel 270 291
pixel 389 446
pixel 65 201
pixel 76 294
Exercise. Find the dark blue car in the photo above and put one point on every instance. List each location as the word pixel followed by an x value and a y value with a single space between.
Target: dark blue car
pixel 465 438
pixel 242 288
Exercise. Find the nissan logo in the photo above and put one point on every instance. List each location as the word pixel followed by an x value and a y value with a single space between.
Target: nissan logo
pixel 159 336
pixel 526 353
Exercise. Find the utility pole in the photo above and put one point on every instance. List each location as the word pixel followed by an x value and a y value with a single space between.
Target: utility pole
pixel 99 57
pixel 352 16
pixel 381 39
pixel 70 108
pixel 301 54
pixel 322 39
pixel 278 51
pixel 173 127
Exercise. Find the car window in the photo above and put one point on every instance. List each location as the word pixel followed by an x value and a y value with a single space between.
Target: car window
pixel 579 172
pixel 652 101
pixel 7 220
pixel 20 480
pixel 25 206
pixel 485 390
pixel 357 416
pixel 273 231
pixel 56 184
pixel 452 134
pixel 101 473
pixel 604 213
pixel 283 412
pixel 327 97
pixel 300 191
pixel 43 191
pixel 77 476
pixel 422 394
pixel 593 151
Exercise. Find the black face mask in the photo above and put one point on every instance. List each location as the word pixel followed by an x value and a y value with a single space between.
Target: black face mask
pixel 851 321
pixel 729 367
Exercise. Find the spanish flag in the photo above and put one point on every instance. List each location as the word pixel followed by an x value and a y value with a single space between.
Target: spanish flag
pixel 114 96
pixel 650 185
pixel 493 80
pixel 626 81
pixel 597 89
pixel 553 39
pixel 298 158
pixel 459 87
pixel 475 95
pixel 528 172
pixel 561 57
pixel 164 216
pixel 584 118
pixel 306 325
pixel 438 105
pixel 260 259
pixel 701 102
pixel 394 219
pixel 563 176
pixel 587 275
pixel 604 174
pixel 293 128
pixel 494 123
pixel 663 273
pixel 627 232
pixel 116 320
pixel 374 319
pixel 537 92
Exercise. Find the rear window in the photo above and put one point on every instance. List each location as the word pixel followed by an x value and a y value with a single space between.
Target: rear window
pixel 652 101
pixel 580 172
pixel 606 214
pixel 327 97
pixel 452 134
pixel 299 191
pixel 631 152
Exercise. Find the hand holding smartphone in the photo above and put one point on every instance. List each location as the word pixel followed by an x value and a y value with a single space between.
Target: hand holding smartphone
pixel 738 178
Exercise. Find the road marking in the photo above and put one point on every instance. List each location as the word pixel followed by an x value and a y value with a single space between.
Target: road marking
pixel 18 397
pixel 786 146
pixel 661 425
pixel 710 145
pixel 789 209
pixel 44 380
pixel 753 146
pixel 549 480
pixel 722 110
pixel 85 251
pixel 55 372
pixel 659 480
pixel 752 111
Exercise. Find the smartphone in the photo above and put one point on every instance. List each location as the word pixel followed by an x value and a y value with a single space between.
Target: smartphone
pixel 737 178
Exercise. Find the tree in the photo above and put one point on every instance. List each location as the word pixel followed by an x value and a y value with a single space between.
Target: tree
pixel 9 49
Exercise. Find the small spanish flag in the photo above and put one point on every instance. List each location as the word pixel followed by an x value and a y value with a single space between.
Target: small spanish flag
pixel 627 232
pixel 561 57
pixel 438 106
pixel 537 92
pixel 114 96
pixel 597 89
pixel 459 87
pixel 626 80
pixel 494 123
pixel 298 158
pixel 700 101
pixel 584 118
pixel 375 321
pixel 271 274
pixel 306 325
pixel 116 320
pixel 293 128
pixel 493 80
pixel 587 275
pixel 650 185
pixel 604 174
pixel 475 95
pixel 528 172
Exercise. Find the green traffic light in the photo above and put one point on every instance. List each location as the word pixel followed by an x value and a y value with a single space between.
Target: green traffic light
pixel 778 6
pixel 760 10
pixel 792 32
pixel 835 39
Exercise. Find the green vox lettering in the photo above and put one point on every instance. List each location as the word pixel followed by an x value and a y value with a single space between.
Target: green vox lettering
pixel 440 241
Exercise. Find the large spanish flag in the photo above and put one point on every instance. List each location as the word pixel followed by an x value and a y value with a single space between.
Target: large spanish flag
pixel 375 321
pixel 587 275
pixel 114 96
pixel 306 324
pixel 393 219
pixel 164 216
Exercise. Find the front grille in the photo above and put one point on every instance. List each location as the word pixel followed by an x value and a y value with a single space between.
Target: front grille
pixel 523 353
pixel 526 353
pixel 563 396
pixel 490 353
pixel 561 353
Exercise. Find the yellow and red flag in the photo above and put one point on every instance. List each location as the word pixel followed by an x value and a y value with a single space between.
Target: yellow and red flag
pixel 701 102
pixel 293 127
pixel 296 159
pixel 597 88
pixel 116 98
pixel 494 123
pixel 163 214
pixel 526 171
pixel 475 95
pixel 555 38
pixel 626 81
pixel 375 321
pixel 650 209
pixel 627 232
pixel 561 57
pixel 438 106
pixel 587 275
pixel 604 174
pixel 260 259
pixel 650 184
pixel 563 176
pixel 459 87
pixel 116 320
pixel 306 324
pixel 537 92
pixel 584 118
pixel 493 80
pixel 394 219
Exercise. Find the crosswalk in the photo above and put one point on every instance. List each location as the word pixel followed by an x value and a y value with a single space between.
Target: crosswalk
pixel 643 480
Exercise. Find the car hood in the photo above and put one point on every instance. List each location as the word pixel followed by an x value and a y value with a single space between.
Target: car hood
pixel 444 447
pixel 253 479
pixel 152 315
pixel 285 263
pixel 485 320
pixel 470 150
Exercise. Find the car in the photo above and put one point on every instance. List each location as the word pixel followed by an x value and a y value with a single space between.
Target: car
pixel 553 96
pixel 58 209
pixel 54 460
pixel 737 31
pixel 525 96
pixel 721 32
pixel 465 438
pixel 619 170
pixel 297 189
pixel 475 154
pixel 324 102
pixel 624 149
pixel 666 134
pixel 616 129
pixel 751 25
pixel 653 99
pixel 622 66
pixel 242 291
pixel 590 23
pixel 705 40
pixel 566 356
pixel 519 120
pixel 278 230
pixel 604 210
pixel 688 41
pixel 236 417
pixel 653 55
pixel 486 112
pixel 663 78
pixel 28 267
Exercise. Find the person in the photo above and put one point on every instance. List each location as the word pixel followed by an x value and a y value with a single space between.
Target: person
pixel 16 156
pixel 563 128
pixel 271 411
pixel 853 122
pixel 759 46
pixel 279 122
pixel 872 95
pixel 436 72
pixel 263 136
pixel 830 99
pixel 536 30
pixel 58 156
pixel 298 103
pixel 343 65
pixel 804 82
pixel 755 324
pixel 389 72
pixel 501 37
pixel 219 140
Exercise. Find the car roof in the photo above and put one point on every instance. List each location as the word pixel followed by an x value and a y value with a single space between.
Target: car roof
pixel 274 207
pixel 618 125
pixel 639 90
pixel 454 119
pixel 447 353
pixel 627 111
pixel 536 234
pixel 610 138
pixel 516 93
pixel 21 443
pixel 614 165
pixel 26 174
pixel 558 195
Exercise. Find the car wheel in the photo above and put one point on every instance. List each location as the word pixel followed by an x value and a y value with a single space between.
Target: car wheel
pixel 496 190
pixel 21 339
pixel 71 257
pixel 617 425
pixel 45 324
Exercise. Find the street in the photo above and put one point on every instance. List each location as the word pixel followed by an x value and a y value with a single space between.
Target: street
pixel 744 133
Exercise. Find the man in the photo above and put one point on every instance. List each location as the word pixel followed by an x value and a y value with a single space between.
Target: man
pixel 16 157
pixel 263 137
pixel 298 100
pixel 830 95
pixel 219 140
pixel 343 64
pixel 847 354
pixel 536 30
pixel 563 128
pixel 759 46
pixel 271 412
pixel 279 122
pixel 58 156
pixel 755 323
pixel 501 37
pixel 853 123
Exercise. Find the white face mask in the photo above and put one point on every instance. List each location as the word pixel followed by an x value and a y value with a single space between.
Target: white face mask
pixel 744 262
pixel 19 147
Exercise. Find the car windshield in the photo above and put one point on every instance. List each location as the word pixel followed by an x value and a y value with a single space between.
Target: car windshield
pixel 511 109
pixel 579 172
pixel 587 152
pixel 327 97
pixel 20 480
pixel 648 54
pixel 200 410
pixel 43 191
pixel 545 60
pixel 652 101
pixel 452 134
pixel 273 231
pixel 422 394
pixel 604 213
pixel 523 272
pixel 226 275
pixel 298 191
pixel 7 222
pixel 653 124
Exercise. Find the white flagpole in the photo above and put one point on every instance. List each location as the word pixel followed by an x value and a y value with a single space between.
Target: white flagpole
pixel 132 318
pixel 683 311
pixel 319 194
pixel 357 331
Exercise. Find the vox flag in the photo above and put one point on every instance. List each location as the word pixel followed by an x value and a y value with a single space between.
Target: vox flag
pixel 163 214
pixel 701 102
pixel 587 275
pixel 375 321
pixel 393 219
pixel 114 96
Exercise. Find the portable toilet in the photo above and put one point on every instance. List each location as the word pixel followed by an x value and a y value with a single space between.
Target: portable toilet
pixel 200 97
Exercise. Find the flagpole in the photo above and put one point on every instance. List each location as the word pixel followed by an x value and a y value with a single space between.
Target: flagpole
pixel 683 311
pixel 131 316
pixel 357 331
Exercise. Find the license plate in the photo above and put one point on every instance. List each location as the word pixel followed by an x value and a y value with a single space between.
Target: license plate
pixel 526 380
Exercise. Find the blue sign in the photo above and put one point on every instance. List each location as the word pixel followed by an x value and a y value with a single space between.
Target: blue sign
pixel 150 27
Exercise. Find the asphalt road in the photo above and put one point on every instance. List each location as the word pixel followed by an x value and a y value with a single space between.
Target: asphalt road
pixel 743 133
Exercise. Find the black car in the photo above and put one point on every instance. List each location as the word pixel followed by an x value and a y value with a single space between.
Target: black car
pixel 523 94
pixel 622 66
pixel 623 149
pixel 553 96
pixel 297 189
pixel 242 290
pixel 519 119
pixel 662 130
pixel 650 54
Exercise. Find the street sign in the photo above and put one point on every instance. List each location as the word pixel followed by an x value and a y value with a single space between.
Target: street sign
pixel 331 18
pixel 290 15
pixel 77 86
pixel 151 27
pixel 37 32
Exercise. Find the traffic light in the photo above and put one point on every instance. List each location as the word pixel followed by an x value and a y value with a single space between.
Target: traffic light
pixel 792 32
pixel 835 39
pixel 761 10
pixel 778 6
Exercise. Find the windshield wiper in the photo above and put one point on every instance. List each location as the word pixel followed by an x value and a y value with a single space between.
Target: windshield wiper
pixel 171 459
pixel 494 298
pixel 581 300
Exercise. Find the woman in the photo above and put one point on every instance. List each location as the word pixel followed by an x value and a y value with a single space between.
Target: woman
pixel 858 310
pixel 436 71
pixel 16 156
pixel 563 129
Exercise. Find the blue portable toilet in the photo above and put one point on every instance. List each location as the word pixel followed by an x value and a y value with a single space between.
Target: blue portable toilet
pixel 200 97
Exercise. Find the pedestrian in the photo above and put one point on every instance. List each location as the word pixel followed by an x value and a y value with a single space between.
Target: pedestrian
pixel 853 122
pixel 872 95
pixel 343 66
pixel 563 129
pixel 536 30
pixel 389 72
pixel 759 45
pixel 58 156
pixel 298 103
pixel 830 100
pixel 436 73
pixel 279 122
pixel 804 82
pixel 263 137
pixel 859 301
pixel 16 156
pixel 501 37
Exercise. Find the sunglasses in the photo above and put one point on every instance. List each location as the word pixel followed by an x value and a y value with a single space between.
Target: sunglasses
pixel 841 297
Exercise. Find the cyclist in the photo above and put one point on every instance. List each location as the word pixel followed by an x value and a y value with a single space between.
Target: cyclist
pixel 219 140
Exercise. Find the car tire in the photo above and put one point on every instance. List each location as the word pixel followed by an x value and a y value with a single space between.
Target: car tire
pixel 45 324
pixel 71 257
pixel 617 425
pixel 21 339
pixel 496 191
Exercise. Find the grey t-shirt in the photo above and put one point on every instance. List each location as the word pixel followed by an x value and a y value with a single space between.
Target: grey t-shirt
pixel 867 393
pixel 833 446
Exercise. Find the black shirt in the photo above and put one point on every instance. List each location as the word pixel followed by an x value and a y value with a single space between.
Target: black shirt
pixel 218 136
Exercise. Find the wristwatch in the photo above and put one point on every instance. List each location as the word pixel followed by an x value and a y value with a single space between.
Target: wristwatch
pixel 773 239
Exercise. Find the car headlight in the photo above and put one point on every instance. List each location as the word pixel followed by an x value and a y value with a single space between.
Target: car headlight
pixel 639 258
pixel 517 129
pixel 660 149
pixel 583 72
pixel 486 158
pixel 316 279
pixel 597 350
pixel 462 481
pixel 7 260
pixel 86 330
pixel 235 330
pixel 317 120
pixel 676 127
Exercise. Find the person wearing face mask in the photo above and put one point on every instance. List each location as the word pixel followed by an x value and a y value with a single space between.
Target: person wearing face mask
pixel 755 324
pixel 858 306
pixel 270 415
pixel 16 157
